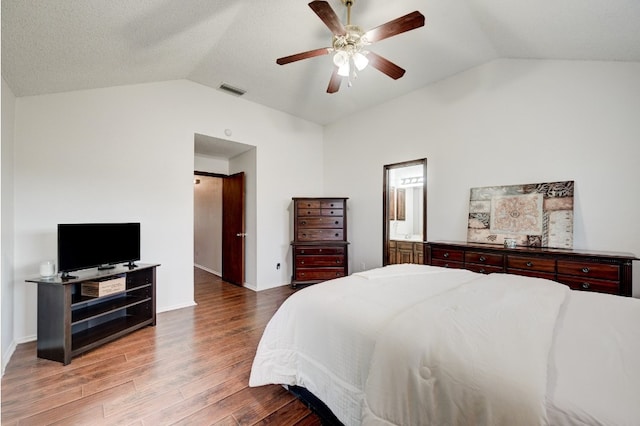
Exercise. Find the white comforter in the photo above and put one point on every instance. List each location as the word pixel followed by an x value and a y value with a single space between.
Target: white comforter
pixel 414 345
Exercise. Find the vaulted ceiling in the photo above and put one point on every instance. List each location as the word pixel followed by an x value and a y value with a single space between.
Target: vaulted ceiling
pixel 63 45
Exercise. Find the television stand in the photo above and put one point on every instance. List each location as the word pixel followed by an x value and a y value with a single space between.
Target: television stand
pixel 130 265
pixel 70 324
pixel 105 267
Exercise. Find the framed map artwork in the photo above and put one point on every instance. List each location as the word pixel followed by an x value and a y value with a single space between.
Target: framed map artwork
pixel 535 215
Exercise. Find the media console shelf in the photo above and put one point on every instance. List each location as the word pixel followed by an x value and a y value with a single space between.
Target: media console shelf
pixel 70 324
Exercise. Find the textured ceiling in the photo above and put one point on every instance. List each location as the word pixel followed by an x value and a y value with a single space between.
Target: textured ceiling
pixel 62 45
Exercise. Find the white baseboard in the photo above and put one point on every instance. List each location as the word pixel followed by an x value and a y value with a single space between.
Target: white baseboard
pixel 6 357
pixel 173 308
pixel 204 268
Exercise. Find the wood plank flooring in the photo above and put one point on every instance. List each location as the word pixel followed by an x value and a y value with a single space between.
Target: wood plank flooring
pixel 192 368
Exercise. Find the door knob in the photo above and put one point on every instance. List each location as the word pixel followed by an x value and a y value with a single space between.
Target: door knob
pixel 241 234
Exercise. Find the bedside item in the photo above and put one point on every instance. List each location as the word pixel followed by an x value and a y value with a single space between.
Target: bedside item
pixel 319 247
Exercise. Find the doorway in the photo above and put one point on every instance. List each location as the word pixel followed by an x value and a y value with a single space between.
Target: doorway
pixel 222 158
pixel 219 225
pixel 404 203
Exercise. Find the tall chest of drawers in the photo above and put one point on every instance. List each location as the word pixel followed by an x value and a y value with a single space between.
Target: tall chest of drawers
pixel 319 243
pixel 604 272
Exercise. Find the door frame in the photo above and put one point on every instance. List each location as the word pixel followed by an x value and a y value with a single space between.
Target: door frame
pixel 224 176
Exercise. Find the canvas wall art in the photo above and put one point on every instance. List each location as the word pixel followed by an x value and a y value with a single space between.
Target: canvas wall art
pixel 535 215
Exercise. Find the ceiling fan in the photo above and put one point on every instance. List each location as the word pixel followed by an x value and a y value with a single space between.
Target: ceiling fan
pixel 349 42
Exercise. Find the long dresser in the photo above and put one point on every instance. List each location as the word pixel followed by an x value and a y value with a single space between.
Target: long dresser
pixel 320 240
pixel 604 272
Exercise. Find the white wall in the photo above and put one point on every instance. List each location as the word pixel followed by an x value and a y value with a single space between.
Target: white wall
pixel 506 122
pixel 127 153
pixel 205 163
pixel 6 220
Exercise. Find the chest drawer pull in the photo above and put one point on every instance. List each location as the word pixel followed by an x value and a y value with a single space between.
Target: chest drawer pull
pixel 529 264
pixel 445 255
pixel 336 222
pixel 482 259
pixel 482 271
pixel 304 222
pixel 585 270
pixel 586 285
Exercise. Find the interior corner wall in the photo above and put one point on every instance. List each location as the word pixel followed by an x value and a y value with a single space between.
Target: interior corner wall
pixel 126 154
pixel 504 122
pixel 6 220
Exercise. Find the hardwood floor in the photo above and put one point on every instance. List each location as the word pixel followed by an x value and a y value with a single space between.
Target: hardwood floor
pixel 191 368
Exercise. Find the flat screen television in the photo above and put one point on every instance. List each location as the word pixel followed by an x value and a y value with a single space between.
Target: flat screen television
pixel 101 245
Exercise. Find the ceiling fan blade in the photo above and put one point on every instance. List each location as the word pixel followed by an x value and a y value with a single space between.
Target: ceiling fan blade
pixel 328 16
pixel 400 25
pixel 303 55
pixel 385 66
pixel 334 83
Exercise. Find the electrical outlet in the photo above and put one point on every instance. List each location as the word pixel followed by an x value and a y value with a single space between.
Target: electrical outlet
pixel 277 266
pixel 363 266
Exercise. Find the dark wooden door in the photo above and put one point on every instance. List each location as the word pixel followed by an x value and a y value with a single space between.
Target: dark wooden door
pixel 233 232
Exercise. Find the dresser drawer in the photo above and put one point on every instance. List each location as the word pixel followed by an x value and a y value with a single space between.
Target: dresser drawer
pixel 448 255
pixel 308 204
pixel 589 270
pixel 447 264
pixel 531 263
pixel 532 273
pixel 320 234
pixel 309 274
pixel 331 204
pixel 483 269
pixel 590 284
pixel 331 212
pixel 320 260
pixel 484 258
pixel 308 212
pixel 320 222
pixel 311 251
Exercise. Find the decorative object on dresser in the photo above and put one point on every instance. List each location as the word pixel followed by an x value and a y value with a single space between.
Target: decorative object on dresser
pixel 320 242
pixel 70 322
pixel 600 271
pixel 532 215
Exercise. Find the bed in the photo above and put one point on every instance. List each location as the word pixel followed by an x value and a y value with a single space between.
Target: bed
pixel 417 344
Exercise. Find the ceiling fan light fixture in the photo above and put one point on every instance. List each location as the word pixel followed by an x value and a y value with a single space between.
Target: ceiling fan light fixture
pixel 341 58
pixel 360 61
pixel 344 69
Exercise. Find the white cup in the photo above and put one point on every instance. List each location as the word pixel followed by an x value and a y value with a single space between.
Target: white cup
pixel 47 268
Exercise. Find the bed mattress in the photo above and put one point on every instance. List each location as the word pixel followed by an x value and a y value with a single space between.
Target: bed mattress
pixel 416 344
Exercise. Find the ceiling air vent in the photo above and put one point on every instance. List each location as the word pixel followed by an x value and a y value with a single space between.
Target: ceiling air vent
pixel 233 90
